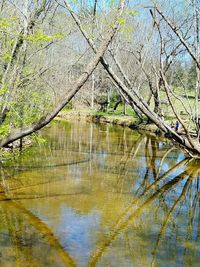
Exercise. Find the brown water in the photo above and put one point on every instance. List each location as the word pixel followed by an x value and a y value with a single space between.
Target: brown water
pixel 100 196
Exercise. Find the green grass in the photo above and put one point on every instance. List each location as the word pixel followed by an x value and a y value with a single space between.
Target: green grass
pixel 168 112
pixel 118 112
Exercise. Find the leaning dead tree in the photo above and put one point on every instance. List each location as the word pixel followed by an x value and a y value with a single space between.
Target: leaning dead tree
pixel 76 86
pixel 134 98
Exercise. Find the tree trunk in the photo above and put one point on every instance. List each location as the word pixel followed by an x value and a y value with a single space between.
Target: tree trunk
pixel 135 100
pixel 24 131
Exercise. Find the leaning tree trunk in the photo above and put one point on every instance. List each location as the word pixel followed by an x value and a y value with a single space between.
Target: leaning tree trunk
pixel 24 131
pixel 135 100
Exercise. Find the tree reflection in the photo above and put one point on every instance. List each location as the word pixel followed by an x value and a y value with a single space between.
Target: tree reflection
pixel 180 183
pixel 161 220
pixel 15 218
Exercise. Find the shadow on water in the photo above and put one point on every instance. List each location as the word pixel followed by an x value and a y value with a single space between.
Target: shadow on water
pixel 152 192
pixel 100 196
pixel 21 234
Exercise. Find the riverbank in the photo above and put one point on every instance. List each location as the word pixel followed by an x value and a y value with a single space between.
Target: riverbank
pixel 129 121
pixel 83 115
pixel 104 118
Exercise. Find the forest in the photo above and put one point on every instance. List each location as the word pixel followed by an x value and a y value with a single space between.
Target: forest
pixel 82 53
pixel 100 133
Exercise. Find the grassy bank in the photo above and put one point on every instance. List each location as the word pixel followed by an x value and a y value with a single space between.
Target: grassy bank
pixel 116 118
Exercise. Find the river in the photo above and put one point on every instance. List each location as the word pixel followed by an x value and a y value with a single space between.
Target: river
pixel 99 195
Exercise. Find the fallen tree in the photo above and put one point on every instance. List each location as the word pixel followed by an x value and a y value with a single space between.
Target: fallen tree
pixel 78 84
pixel 135 100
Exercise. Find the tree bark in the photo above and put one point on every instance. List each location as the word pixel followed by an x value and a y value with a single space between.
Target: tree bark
pixel 135 100
pixel 24 131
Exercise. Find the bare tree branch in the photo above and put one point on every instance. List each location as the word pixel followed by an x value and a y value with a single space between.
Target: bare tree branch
pixel 24 131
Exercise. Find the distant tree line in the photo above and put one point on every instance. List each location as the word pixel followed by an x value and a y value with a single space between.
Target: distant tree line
pixel 143 54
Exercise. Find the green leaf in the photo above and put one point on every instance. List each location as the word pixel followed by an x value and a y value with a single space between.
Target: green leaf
pixel 6 57
pixel 40 36
pixel 132 12
pixel 128 29
pixel 3 90
pixel 6 22
pixel 121 20
pixel 4 129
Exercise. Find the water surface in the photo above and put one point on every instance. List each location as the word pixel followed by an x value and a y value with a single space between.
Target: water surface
pixel 100 195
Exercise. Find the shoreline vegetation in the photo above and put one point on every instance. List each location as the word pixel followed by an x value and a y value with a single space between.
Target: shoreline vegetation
pixel 113 118
pixel 108 117
pixel 152 67
pixel 128 120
